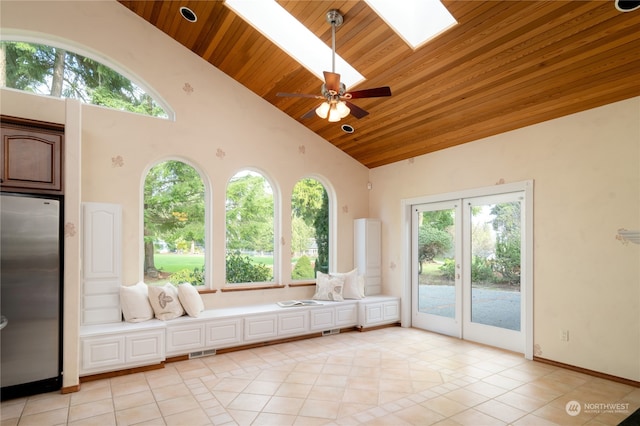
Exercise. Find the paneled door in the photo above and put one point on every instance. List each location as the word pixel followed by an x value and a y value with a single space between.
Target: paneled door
pixel 467 268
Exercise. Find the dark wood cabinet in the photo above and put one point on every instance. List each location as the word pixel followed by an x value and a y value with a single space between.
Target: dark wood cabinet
pixel 31 156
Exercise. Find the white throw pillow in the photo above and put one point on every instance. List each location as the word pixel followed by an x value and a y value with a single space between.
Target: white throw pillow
pixel 190 299
pixel 134 300
pixel 329 287
pixel 353 284
pixel 165 302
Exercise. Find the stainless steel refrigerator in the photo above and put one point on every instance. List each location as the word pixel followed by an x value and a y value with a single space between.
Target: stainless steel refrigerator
pixel 31 295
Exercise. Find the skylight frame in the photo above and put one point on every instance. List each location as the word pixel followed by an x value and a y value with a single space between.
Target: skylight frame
pixel 284 30
pixel 415 21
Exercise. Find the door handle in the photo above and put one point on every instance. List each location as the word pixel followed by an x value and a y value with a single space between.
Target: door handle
pixel 3 322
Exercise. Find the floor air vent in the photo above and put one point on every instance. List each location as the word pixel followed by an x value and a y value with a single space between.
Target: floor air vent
pixel 329 332
pixel 200 354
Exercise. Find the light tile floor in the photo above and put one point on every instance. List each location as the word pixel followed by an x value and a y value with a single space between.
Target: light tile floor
pixel 392 376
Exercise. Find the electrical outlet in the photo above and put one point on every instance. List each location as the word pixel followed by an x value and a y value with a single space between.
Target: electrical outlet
pixel 564 335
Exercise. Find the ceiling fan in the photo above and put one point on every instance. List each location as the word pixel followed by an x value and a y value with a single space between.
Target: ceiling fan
pixel 337 105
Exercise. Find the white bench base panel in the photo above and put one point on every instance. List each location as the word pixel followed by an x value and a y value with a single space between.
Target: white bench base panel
pixel 123 345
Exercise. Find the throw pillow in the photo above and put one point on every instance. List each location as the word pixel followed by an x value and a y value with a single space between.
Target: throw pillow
pixel 165 302
pixel 353 284
pixel 190 299
pixel 134 300
pixel 329 287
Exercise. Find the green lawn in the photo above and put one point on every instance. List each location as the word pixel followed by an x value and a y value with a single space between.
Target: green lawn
pixel 176 262
pixel 171 262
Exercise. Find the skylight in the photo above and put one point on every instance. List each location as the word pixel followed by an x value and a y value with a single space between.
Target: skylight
pixel 279 26
pixel 416 21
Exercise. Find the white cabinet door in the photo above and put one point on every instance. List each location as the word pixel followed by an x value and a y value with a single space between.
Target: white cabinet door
pixel 261 327
pixel 103 352
pixel 101 263
pixel 391 311
pixel 102 239
pixel 373 314
pixel 367 253
pixel 224 333
pixel 294 322
pixel 379 310
pixel 144 347
pixel 322 318
pixel 183 339
pixel 347 315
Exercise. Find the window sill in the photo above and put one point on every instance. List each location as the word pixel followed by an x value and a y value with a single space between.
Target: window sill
pixel 302 284
pixel 248 288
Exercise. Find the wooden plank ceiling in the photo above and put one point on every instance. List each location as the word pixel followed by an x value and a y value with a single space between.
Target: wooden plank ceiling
pixel 507 64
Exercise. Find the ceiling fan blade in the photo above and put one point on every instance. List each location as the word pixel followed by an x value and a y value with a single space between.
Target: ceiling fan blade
pixel 297 95
pixel 376 92
pixel 356 111
pixel 332 81
pixel 310 113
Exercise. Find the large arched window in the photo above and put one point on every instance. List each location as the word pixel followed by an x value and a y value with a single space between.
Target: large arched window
pixel 250 212
pixel 174 224
pixel 59 72
pixel 310 229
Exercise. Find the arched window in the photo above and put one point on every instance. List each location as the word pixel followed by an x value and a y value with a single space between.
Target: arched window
pixel 250 211
pixel 174 224
pixel 310 229
pixel 58 72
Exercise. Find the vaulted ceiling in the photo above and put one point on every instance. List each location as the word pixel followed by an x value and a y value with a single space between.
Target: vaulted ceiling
pixel 505 65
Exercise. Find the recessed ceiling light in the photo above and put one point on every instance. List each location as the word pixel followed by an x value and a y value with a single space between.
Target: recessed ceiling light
pixel 347 128
pixel 188 14
pixel 627 5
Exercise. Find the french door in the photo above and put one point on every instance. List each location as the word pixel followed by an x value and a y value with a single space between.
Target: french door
pixel 468 258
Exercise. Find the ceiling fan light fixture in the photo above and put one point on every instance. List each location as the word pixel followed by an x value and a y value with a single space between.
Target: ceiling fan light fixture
pixel 343 109
pixel 334 114
pixel 323 110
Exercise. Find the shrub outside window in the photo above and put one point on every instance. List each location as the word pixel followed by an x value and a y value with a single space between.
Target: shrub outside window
pixel 250 229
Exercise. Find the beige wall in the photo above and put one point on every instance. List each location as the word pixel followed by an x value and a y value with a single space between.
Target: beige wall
pixel 586 172
pixel 220 128
pixel 585 167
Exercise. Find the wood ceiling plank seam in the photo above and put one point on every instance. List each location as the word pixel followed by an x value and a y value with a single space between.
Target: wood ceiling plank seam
pixel 234 47
pixel 230 45
pixel 211 44
pixel 462 10
pixel 256 57
pixel 212 24
pixel 152 11
pixel 165 17
pixel 203 11
pixel 259 80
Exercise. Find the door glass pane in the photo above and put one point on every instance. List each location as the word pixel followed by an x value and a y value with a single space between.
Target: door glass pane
pixel 495 264
pixel 436 263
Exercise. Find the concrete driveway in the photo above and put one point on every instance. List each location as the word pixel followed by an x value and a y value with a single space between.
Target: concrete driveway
pixel 497 308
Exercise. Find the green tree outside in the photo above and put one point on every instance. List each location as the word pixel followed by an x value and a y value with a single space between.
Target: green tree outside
pixel 57 72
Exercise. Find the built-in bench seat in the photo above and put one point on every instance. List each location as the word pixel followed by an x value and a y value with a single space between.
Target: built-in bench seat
pixel 125 345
